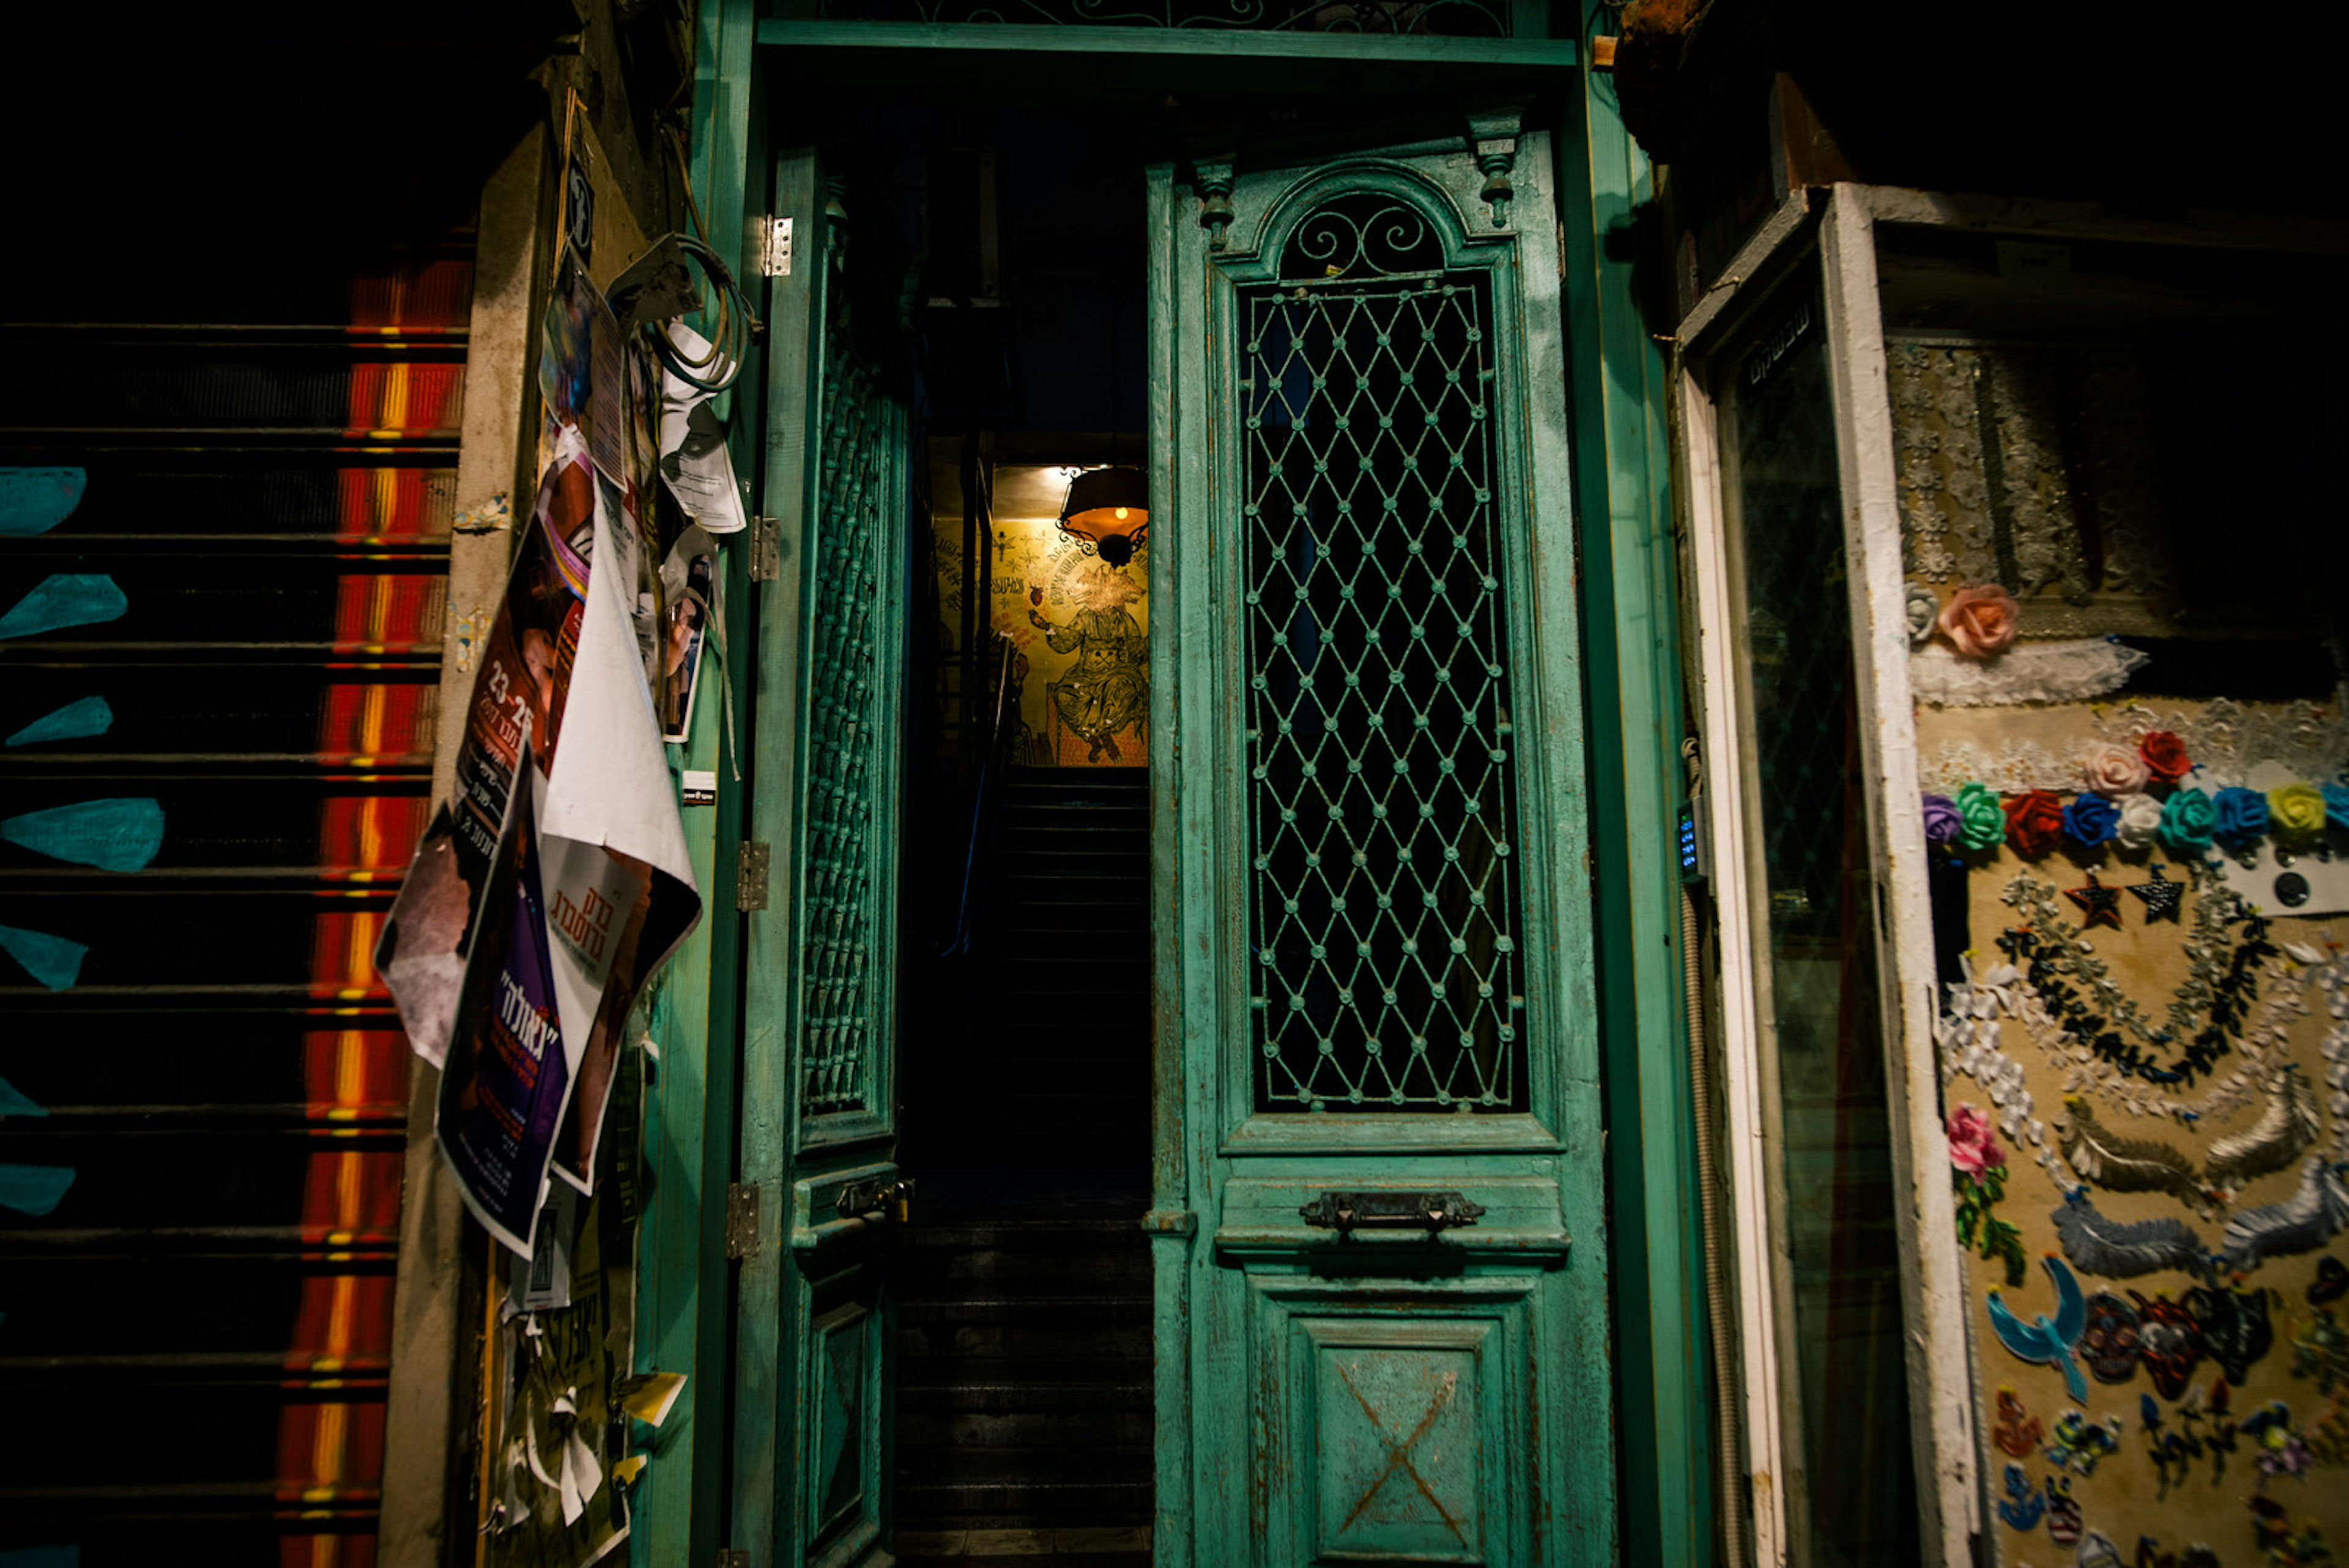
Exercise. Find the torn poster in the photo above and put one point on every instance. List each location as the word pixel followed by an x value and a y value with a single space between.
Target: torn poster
pixel 614 793
pixel 542 1280
pixel 694 462
pixel 583 372
pixel 693 563
pixel 520 694
pixel 554 1506
pixel 509 1073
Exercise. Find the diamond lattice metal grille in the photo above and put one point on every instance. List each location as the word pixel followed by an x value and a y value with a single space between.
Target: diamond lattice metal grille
pixel 839 889
pixel 1383 907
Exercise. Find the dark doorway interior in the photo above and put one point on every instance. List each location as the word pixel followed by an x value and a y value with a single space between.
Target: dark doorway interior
pixel 1015 317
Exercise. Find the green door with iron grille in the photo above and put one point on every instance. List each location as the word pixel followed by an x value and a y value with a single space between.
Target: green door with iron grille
pixel 818 1195
pixel 1377 1219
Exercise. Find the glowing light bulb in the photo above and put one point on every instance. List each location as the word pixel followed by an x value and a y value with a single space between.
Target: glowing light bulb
pixel 1121 514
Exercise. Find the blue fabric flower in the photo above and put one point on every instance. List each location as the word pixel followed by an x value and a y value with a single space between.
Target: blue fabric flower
pixel 2337 805
pixel 2091 819
pixel 2240 816
pixel 2185 819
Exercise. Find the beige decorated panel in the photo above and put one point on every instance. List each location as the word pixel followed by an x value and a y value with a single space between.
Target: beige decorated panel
pixel 2144 1095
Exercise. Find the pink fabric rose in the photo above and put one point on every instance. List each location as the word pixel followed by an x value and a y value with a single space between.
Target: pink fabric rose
pixel 2115 770
pixel 1979 621
pixel 1973 1147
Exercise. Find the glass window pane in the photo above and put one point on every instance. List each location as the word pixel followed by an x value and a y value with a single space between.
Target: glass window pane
pixel 1852 1500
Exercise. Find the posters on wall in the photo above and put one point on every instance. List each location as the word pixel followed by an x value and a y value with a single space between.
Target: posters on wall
pixel 576 897
pixel 552 1504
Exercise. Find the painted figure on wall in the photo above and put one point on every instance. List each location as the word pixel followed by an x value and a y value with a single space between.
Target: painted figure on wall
pixel 1107 690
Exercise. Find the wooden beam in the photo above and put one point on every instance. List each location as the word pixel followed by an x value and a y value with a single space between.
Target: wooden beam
pixel 429 1342
pixel 1005 60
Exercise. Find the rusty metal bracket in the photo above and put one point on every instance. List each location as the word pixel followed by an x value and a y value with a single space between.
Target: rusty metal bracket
pixel 741 1220
pixel 750 867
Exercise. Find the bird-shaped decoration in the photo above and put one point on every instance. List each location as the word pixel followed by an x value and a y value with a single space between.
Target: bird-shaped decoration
pixel 2044 1340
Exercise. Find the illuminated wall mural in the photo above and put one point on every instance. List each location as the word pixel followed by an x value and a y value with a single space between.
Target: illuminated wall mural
pixel 1079 628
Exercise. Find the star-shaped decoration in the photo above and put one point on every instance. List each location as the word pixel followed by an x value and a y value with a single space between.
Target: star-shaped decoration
pixel 2162 896
pixel 2100 905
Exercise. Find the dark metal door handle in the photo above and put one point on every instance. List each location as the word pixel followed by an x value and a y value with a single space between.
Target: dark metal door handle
pixel 1347 1212
pixel 888 1202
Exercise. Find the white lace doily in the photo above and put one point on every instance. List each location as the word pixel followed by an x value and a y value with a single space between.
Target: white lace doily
pixel 2027 672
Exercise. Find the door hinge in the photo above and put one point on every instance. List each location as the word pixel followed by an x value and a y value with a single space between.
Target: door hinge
pixel 766 549
pixel 750 877
pixel 774 247
pixel 742 1221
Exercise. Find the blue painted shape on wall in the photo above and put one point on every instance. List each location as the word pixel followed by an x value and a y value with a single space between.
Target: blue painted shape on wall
pixel 67 599
pixel 40 1556
pixel 121 833
pixel 35 1190
pixel 13 1102
pixel 74 722
pixel 55 961
pixel 36 500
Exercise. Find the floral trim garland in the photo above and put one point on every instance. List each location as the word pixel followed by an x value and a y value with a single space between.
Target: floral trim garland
pixel 1969 1045
pixel 2224 738
pixel 2222 982
pixel 2121 805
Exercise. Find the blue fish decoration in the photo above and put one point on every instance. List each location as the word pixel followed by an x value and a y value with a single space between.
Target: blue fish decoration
pixel 66 599
pixel 74 722
pixel 120 833
pixel 35 500
pixel 55 961
pixel 2044 1340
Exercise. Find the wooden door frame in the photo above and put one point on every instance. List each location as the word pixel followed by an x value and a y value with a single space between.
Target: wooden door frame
pixel 1631 646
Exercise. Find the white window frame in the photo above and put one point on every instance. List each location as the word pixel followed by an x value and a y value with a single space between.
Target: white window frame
pixel 1838 221
pixel 1931 1275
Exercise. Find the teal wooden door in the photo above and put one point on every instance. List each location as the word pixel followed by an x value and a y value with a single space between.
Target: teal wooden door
pixel 1379 1250
pixel 814 1329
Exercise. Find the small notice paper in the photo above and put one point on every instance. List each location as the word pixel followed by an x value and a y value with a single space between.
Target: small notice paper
pixel 699 787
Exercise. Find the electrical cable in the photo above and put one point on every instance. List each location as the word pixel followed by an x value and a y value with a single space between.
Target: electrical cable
pixel 734 325
pixel 1729 1470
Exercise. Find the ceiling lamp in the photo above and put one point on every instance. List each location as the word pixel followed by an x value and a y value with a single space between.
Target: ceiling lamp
pixel 1108 511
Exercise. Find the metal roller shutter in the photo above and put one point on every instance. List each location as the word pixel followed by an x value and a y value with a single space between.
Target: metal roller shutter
pixel 219 664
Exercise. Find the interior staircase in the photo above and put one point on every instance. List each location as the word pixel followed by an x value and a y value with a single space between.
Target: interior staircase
pixel 1024 1419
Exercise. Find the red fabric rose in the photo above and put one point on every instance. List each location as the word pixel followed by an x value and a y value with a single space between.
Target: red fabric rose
pixel 2035 821
pixel 2164 756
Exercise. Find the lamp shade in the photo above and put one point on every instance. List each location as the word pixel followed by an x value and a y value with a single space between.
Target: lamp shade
pixel 1109 508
